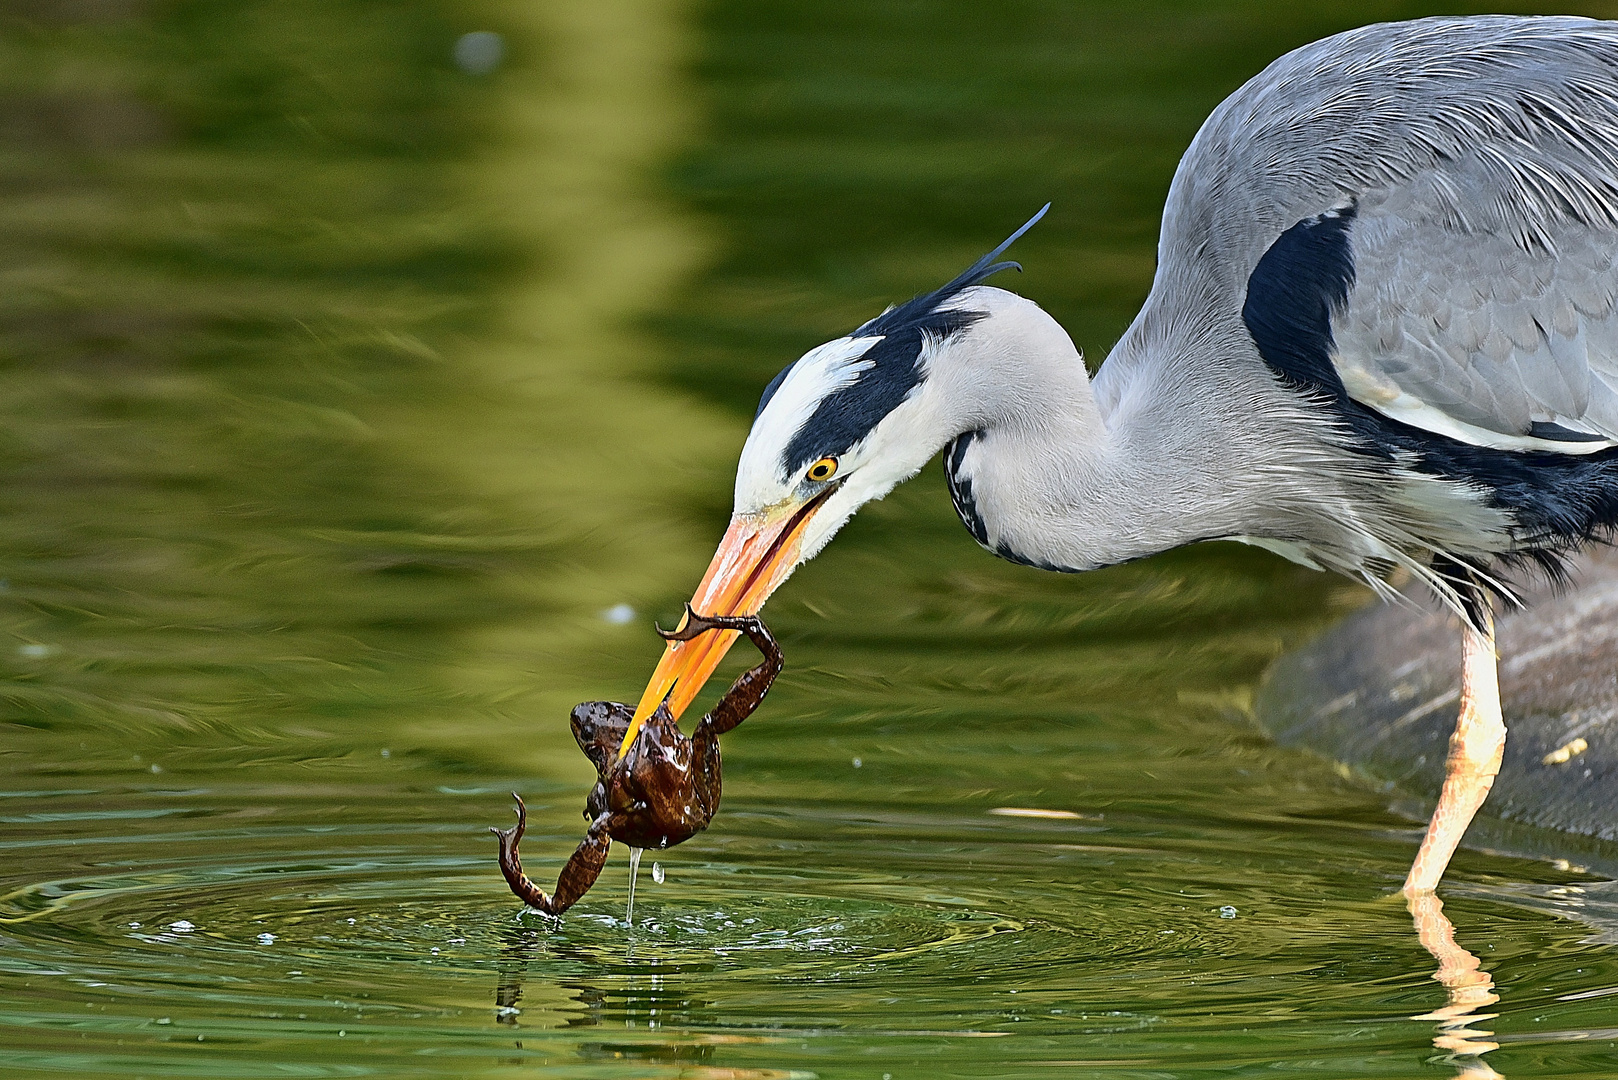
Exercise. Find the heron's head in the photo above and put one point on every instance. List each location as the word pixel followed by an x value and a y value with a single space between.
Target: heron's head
pixel 840 426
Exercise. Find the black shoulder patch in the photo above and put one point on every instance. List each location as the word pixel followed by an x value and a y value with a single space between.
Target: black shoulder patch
pixel 1540 429
pixel 1291 294
pixel 1557 501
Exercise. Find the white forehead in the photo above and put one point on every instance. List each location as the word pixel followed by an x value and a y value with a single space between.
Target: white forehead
pixel 761 479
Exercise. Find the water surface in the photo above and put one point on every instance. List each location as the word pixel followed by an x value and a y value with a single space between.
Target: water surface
pixel 359 415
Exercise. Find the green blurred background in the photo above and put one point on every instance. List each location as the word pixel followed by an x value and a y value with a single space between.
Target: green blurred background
pixel 341 382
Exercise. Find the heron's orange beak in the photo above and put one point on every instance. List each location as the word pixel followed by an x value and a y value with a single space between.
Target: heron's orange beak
pixel 756 555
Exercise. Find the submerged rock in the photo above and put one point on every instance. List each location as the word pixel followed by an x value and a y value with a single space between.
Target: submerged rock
pixel 1380 690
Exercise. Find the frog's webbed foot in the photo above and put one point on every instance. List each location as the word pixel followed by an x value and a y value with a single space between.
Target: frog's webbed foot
pixel 577 876
pixel 693 625
pixel 511 862
pixel 747 692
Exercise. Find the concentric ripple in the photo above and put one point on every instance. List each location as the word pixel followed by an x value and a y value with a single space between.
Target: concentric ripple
pixel 372 941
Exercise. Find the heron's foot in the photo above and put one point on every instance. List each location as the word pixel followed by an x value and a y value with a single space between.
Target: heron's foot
pixel 511 863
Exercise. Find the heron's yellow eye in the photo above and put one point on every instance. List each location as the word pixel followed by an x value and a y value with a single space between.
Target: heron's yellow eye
pixel 824 469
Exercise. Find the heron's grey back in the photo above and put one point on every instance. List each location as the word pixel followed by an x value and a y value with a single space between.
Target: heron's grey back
pixel 1479 157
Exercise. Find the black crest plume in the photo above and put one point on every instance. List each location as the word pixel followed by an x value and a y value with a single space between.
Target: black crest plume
pixel 972 275
pixel 892 364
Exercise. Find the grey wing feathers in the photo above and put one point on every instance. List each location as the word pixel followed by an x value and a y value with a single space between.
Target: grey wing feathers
pixel 1479 157
pixel 1486 229
pixel 1474 336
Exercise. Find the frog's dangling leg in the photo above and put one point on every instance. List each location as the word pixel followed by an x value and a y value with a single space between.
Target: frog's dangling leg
pixel 584 866
pixel 511 862
pixel 747 692
pixel 577 876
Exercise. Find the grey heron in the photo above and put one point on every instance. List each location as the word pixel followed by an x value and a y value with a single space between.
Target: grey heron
pixel 1382 334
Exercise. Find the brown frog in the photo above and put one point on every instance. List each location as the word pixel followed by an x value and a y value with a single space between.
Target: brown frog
pixel 664 790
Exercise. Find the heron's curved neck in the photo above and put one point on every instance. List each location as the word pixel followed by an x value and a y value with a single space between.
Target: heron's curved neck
pixel 1040 475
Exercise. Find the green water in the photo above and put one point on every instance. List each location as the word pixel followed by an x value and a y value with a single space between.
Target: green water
pixel 343 391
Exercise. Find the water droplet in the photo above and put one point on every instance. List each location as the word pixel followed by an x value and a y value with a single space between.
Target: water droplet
pixel 1227 912
pixel 858 763
pixel 164 1020
pixel 266 939
pixel 387 753
pixel 36 652
pixel 157 768
pixel 619 614
pixel 657 872
pixel 479 52
pixel 134 926
pixel 342 1034
pixel 184 926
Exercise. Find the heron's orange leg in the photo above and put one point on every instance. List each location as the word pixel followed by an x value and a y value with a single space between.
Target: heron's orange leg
pixel 1475 750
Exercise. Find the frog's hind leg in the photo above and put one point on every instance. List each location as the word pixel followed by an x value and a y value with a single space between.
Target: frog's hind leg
pixel 585 865
pixel 511 861
pixel 577 876
pixel 748 691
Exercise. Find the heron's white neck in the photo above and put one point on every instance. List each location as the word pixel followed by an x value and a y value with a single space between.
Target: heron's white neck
pixel 1052 480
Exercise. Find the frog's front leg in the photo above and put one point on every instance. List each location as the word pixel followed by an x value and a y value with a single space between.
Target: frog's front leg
pixel 748 691
pixel 577 876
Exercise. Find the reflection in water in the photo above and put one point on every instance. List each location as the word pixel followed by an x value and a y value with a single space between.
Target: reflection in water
pixel 520 945
pixel 644 1003
pixel 1468 987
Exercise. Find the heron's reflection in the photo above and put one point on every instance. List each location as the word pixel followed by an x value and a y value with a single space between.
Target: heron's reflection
pixel 1468 987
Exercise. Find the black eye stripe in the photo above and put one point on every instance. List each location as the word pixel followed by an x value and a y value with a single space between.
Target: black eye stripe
pixel 890 370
